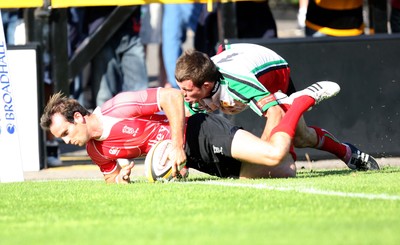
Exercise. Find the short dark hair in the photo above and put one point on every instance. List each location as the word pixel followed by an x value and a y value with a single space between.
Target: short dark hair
pixel 196 66
pixel 59 103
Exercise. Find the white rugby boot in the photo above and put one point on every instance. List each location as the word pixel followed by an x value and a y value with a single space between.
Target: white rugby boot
pixel 319 91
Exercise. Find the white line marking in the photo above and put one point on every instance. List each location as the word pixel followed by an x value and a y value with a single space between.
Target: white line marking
pixel 301 190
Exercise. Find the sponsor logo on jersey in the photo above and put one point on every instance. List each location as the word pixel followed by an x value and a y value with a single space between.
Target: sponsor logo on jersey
pixel 232 108
pixel 217 150
pixel 267 99
pixel 130 131
pixel 227 58
pixel 162 134
pixel 114 151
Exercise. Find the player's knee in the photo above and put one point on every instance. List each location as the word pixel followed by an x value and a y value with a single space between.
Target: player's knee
pixel 299 142
pixel 306 138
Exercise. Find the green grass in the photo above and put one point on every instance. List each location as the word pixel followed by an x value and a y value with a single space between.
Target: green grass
pixel 318 207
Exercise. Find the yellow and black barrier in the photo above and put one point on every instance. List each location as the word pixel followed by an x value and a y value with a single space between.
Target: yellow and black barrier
pixel 88 3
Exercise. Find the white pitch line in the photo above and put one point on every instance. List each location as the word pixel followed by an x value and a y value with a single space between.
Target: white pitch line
pixel 301 190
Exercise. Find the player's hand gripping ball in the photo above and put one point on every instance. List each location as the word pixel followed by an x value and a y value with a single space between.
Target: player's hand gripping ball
pixel 157 165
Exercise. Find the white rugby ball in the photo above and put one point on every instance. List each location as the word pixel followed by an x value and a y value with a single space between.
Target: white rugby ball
pixel 157 164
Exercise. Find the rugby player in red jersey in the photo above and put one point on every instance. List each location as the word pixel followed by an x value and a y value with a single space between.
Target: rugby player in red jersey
pixel 130 123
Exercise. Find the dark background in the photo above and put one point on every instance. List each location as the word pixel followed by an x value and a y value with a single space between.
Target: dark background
pixel 366 111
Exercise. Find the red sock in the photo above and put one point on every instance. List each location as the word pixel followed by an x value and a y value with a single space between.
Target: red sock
pixel 328 142
pixel 293 114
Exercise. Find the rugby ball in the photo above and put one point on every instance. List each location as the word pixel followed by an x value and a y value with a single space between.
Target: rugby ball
pixel 157 165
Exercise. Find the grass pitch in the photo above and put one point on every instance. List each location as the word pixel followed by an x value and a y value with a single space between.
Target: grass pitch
pixel 317 207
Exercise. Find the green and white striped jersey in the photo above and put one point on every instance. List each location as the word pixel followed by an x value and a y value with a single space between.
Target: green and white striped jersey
pixel 241 66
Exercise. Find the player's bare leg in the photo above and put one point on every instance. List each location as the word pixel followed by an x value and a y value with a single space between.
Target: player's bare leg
pixel 286 169
pixel 321 139
pixel 251 149
pixel 306 136
pixel 247 147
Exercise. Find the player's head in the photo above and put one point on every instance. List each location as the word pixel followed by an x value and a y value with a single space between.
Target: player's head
pixel 196 66
pixel 196 75
pixel 64 118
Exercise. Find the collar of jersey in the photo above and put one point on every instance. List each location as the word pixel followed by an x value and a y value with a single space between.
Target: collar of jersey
pixel 215 88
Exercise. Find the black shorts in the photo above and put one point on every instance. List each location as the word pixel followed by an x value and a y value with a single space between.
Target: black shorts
pixel 208 145
pixel 291 89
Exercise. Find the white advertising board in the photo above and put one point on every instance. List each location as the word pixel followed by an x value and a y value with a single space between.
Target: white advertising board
pixel 10 149
pixel 23 69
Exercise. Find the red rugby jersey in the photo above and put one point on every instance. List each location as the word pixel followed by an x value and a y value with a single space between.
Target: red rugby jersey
pixel 130 128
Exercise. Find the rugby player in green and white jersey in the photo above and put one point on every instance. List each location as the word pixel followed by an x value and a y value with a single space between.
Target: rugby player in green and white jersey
pixel 248 75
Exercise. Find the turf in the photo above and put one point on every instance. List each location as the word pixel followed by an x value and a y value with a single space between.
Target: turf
pixel 317 207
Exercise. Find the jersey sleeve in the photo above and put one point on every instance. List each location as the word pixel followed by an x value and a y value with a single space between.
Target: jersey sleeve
pixel 106 165
pixel 132 104
pixel 240 65
pixel 247 89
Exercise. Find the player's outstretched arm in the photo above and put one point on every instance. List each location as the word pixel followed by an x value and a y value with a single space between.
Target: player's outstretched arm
pixel 171 102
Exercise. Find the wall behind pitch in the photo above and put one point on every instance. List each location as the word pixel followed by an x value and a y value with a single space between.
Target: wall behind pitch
pixel 367 110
